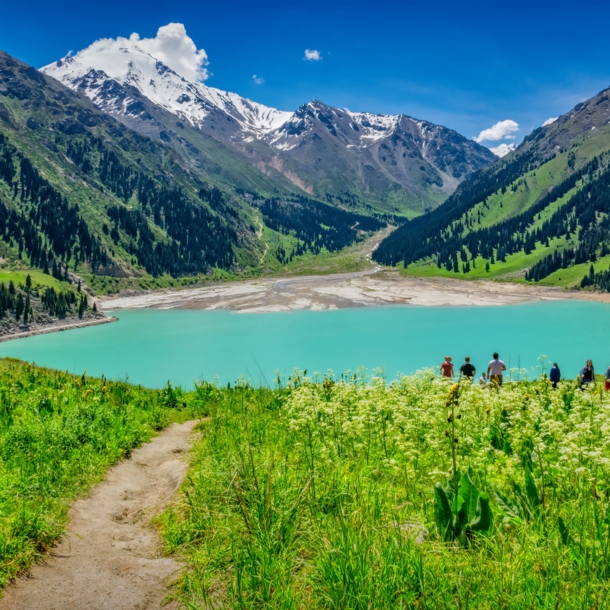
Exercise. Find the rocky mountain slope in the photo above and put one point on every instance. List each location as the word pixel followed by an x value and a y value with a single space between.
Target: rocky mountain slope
pixel 82 193
pixel 390 163
pixel 541 213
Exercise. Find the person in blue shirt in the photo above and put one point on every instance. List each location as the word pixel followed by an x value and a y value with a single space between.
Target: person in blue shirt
pixel 555 375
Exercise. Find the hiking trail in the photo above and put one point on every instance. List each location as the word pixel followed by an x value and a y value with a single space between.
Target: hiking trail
pixel 109 558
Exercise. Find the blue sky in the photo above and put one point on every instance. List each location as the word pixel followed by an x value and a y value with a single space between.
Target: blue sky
pixel 467 65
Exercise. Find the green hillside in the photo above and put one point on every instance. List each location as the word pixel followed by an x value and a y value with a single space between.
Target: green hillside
pixel 83 193
pixel 538 215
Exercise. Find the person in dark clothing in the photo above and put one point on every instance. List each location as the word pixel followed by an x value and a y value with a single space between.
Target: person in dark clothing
pixel 608 379
pixel 555 375
pixel 467 369
pixel 587 374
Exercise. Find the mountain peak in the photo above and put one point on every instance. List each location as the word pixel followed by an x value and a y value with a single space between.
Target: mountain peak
pixel 391 160
pixel 190 100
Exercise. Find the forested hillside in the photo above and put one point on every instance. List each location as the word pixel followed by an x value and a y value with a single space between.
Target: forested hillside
pixel 81 191
pixel 83 194
pixel 539 214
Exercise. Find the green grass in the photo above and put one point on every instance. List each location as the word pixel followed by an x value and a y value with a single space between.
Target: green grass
pixel 513 268
pixel 572 276
pixel 38 278
pixel 104 285
pixel 321 495
pixel 59 433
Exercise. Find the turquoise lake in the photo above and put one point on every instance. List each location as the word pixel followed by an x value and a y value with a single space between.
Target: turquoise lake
pixel 152 346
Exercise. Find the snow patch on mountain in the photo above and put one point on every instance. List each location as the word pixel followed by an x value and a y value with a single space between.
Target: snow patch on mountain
pixel 503 149
pixel 132 65
pixel 374 127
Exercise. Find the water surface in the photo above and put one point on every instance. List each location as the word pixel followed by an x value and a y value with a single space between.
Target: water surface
pixel 153 346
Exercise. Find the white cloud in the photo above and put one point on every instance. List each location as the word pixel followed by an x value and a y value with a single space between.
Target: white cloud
pixel 500 131
pixel 503 149
pixel 549 121
pixel 312 55
pixel 258 80
pixel 172 46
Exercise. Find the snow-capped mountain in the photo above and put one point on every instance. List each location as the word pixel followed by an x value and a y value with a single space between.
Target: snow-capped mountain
pixel 191 101
pixel 393 162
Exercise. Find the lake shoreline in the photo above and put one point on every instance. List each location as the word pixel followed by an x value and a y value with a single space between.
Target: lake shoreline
pixel 57 326
pixel 374 287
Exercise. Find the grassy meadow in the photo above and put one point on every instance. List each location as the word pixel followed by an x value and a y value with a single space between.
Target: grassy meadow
pixel 334 492
pixel 346 493
pixel 58 436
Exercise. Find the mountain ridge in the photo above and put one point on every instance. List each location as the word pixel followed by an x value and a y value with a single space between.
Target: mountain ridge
pixel 538 214
pixel 367 161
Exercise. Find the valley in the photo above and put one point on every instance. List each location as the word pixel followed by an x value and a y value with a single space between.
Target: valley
pixel 232 332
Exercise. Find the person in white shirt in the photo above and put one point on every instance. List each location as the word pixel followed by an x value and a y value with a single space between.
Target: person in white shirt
pixel 496 367
pixel 483 380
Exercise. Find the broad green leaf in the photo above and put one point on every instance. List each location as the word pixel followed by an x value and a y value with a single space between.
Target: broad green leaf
pixel 508 509
pixel 468 495
pixel 566 539
pixel 482 522
pixel 442 511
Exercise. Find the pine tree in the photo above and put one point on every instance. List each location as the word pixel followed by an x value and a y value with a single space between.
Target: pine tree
pixel 45 269
pixel 19 307
pixel 28 282
pixel 78 287
pixel 26 311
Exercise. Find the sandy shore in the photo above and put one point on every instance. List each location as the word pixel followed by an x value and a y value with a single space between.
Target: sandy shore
pixel 57 327
pixel 362 289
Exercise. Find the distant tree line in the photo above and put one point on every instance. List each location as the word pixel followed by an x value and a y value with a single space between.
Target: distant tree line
pixel 583 219
pixel 52 232
pixel 509 236
pixel 586 217
pixel 316 225
pixel 197 239
pixel 22 301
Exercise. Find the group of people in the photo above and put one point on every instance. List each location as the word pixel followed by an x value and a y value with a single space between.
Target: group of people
pixel 496 368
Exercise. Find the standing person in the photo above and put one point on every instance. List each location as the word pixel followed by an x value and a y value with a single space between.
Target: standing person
pixel 447 368
pixel 555 375
pixel 587 374
pixel 496 367
pixel 468 370
pixel 608 379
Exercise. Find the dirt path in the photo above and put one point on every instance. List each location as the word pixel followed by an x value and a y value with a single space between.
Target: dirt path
pixel 259 234
pixel 109 560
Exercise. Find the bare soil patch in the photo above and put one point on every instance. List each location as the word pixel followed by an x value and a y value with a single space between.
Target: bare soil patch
pixel 110 559
pixel 373 287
